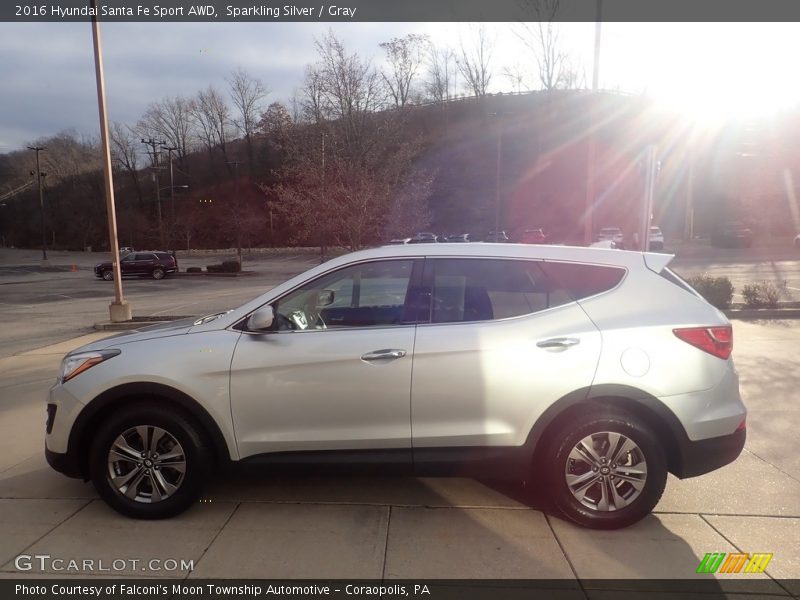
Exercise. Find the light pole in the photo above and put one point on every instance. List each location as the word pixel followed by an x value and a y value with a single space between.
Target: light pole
pixel 39 175
pixel 119 310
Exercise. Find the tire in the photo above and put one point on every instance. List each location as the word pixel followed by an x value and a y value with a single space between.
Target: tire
pixel 161 491
pixel 158 273
pixel 108 275
pixel 626 503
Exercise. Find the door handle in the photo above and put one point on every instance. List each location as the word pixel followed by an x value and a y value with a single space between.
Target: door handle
pixel 559 343
pixel 383 355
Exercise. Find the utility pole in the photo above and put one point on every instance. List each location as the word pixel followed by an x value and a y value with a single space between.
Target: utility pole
pixel 324 232
pixel 236 210
pixel 591 167
pixel 119 310
pixel 39 175
pixel 155 155
pixel 497 183
pixel 170 150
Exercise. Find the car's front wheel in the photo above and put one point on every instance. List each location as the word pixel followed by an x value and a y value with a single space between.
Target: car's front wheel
pixel 149 461
pixel 108 275
pixel 605 469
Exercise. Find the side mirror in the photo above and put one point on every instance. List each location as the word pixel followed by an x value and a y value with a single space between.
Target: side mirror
pixel 325 298
pixel 262 319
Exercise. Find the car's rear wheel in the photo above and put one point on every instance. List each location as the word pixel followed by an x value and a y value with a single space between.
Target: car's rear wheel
pixel 149 461
pixel 158 273
pixel 108 275
pixel 605 469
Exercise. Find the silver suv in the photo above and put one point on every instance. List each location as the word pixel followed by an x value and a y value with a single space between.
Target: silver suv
pixel 592 372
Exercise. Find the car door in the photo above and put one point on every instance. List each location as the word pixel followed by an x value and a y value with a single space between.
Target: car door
pixel 127 264
pixel 334 371
pixel 503 342
pixel 142 264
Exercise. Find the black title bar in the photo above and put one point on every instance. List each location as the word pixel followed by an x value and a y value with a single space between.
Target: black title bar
pixel 157 11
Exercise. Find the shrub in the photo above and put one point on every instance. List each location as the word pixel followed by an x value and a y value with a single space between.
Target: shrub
pixel 227 266
pixel 763 294
pixel 231 266
pixel 718 291
pixel 194 270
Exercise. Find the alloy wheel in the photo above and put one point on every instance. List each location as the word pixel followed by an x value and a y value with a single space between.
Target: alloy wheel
pixel 606 471
pixel 146 464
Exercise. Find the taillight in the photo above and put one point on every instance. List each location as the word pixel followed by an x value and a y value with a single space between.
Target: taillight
pixel 714 340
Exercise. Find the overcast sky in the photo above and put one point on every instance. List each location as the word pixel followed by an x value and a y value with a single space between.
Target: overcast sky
pixel 47 70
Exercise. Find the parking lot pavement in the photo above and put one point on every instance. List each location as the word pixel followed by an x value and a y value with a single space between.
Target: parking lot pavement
pixel 261 524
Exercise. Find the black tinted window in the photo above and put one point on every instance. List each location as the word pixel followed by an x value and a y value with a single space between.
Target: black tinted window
pixel 144 257
pixel 163 256
pixel 483 289
pixel 582 281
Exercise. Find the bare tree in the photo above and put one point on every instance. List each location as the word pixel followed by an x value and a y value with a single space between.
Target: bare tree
pixel 211 116
pixel 440 83
pixel 169 119
pixel 474 62
pixel 312 96
pixel 542 37
pixel 246 93
pixel 403 56
pixel 347 89
pixel 517 77
pixel 125 155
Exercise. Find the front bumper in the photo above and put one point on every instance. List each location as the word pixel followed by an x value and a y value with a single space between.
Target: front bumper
pixel 64 463
pixel 703 456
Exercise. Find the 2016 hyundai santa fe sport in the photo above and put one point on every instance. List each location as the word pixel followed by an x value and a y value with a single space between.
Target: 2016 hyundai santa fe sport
pixel 589 373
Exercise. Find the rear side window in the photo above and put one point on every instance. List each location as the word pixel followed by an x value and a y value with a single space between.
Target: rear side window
pixel 464 289
pixel 582 280
pixel 144 257
pixel 164 256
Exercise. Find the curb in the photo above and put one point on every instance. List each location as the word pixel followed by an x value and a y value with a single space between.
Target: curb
pixel 135 323
pixel 763 313
pixel 206 274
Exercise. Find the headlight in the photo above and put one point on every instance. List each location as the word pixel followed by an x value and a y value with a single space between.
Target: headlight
pixel 75 364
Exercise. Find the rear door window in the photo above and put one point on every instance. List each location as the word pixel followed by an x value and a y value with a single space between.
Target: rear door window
pixel 474 289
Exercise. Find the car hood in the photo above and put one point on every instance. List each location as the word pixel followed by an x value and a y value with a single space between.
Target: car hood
pixel 146 332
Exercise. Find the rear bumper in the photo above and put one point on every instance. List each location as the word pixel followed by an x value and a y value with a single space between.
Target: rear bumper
pixel 704 456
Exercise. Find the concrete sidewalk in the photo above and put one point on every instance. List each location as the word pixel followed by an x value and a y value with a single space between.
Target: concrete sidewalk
pixel 268 525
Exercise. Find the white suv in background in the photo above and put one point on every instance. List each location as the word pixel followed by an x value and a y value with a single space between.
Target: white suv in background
pixel 590 372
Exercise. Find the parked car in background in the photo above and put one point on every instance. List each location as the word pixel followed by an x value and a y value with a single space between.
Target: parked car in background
pixel 732 235
pixel 589 373
pixel 424 237
pixel 125 250
pixel 500 237
pixel 613 234
pixel 656 238
pixel 399 241
pixel 533 236
pixel 155 264
pixel 460 238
